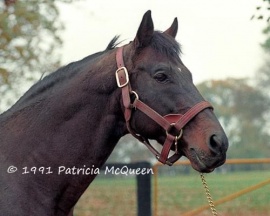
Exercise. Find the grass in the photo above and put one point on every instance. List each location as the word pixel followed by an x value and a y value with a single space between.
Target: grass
pixel 188 193
pixel 105 197
pixel 178 194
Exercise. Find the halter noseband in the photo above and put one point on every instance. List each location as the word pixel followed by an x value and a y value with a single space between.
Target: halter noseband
pixel 167 122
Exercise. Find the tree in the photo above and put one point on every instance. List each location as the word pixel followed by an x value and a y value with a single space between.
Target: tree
pixel 262 77
pixel 263 13
pixel 261 9
pixel 29 36
pixel 242 110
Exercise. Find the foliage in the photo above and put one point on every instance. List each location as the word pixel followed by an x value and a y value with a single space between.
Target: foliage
pixel 260 11
pixel 263 78
pixel 242 109
pixel 266 44
pixel 263 13
pixel 263 75
pixel 29 35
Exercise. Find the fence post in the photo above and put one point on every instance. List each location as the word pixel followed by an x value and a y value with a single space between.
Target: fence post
pixel 144 190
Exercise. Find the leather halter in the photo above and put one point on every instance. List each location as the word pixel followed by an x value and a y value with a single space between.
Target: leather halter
pixel 169 123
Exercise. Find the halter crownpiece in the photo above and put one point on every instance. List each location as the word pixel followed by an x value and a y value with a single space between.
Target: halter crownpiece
pixel 170 122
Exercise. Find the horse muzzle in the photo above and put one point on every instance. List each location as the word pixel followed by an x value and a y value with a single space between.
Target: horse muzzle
pixel 207 159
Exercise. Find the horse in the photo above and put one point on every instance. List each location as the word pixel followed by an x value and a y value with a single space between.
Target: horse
pixel 73 118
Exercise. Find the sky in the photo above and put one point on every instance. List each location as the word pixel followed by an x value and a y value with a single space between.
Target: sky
pixel 218 37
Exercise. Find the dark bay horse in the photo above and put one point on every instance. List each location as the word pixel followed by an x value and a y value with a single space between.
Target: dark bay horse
pixel 75 116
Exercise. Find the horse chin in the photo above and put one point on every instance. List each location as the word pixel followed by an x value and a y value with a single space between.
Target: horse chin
pixel 199 162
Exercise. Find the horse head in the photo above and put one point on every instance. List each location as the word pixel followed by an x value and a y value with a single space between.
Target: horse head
pixel 161 83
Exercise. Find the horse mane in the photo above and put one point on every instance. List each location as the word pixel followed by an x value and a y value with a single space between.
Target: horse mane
pixel 62 74
pixel 162 43
pixel 113 43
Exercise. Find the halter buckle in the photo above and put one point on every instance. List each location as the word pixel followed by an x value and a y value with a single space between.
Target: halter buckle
pixel 121 77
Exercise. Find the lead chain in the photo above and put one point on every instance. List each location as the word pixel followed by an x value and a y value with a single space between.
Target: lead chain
pixel 208 195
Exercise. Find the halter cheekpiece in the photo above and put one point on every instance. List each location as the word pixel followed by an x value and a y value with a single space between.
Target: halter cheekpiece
pixel 170 122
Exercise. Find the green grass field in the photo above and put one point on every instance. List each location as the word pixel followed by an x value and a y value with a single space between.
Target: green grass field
pixel 177 195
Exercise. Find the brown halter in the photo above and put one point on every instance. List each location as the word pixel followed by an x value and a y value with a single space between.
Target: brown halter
pixel 167 122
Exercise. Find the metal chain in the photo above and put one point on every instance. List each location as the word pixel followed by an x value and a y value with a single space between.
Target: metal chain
pixel 208 195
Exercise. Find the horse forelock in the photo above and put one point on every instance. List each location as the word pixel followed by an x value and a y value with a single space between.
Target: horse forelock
pixel 165 44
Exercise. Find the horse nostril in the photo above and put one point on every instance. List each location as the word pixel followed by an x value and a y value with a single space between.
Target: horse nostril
pixel 215 144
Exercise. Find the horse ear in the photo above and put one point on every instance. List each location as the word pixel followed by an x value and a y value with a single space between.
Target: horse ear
pixel 173 29
pixel 145 31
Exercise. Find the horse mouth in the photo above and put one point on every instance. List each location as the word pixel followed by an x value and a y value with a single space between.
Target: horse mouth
pixel 201 163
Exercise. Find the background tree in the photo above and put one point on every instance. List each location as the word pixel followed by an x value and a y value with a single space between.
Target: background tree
pixel 29 36
pixel 242 110
pixel 262 11
pixel 263 75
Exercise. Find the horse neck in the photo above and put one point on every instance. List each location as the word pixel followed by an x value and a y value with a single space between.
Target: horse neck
pixel 78 125
pixel 100 110
pixel 91 113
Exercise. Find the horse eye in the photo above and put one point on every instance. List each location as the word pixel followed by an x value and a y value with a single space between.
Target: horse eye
pixel 161 77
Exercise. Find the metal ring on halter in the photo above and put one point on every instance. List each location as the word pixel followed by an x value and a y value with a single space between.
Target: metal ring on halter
pixel 176 137
pixel 136 95
pixel 136 98
pixel 180 135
